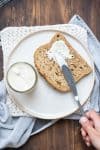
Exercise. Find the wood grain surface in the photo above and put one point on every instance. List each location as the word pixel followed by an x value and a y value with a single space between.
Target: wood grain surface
pixel 65 134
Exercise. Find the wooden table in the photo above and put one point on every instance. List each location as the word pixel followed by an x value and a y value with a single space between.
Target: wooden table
pixel 65 134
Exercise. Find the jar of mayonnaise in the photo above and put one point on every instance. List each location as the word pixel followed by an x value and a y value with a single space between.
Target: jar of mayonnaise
pixel 21 77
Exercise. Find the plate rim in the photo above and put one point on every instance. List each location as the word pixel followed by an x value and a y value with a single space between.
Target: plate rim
pixel 36 114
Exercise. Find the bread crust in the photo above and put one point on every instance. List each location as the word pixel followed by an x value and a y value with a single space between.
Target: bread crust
pixel 51 71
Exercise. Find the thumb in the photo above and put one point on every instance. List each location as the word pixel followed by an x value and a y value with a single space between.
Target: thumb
pixel 87 126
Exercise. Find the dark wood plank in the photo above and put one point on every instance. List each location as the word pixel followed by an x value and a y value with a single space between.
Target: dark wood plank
pixel 64 135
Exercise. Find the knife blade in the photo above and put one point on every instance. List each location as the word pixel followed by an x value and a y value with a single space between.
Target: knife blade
pixel 71 82
pixel 62 62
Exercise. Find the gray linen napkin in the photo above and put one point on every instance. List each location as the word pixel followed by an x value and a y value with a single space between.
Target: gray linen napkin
pixel 94 48
pixel 3 2
pixel 15 131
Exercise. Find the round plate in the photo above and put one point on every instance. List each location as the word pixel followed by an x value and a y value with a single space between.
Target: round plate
pixel 45 102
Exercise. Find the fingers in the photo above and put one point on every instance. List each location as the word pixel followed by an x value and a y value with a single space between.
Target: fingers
pixel 93 115
pixel 83 132
pixel 95 118
pixel 88 128
pixel 85 136
pixel 91 129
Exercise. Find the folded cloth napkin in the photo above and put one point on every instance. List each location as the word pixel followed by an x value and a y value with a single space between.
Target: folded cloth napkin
pixel 3 2
pixel 15 131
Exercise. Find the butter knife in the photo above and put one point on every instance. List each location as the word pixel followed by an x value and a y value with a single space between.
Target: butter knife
pixel 70 80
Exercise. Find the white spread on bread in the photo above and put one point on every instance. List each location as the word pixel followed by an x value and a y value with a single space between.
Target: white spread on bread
pixel 59 52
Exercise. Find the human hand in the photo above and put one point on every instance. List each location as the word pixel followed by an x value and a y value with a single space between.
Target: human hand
pixel 91 129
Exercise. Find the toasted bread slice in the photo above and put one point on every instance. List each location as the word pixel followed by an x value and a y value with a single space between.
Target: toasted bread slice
pixel 51 71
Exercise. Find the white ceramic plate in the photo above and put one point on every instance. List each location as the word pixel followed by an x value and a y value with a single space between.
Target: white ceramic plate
pixel 46 102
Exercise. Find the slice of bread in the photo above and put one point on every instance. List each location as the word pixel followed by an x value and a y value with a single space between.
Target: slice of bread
pixel 51 71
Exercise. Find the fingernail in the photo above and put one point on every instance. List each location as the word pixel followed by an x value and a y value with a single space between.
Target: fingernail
pixel 83 120
pixel 88 144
